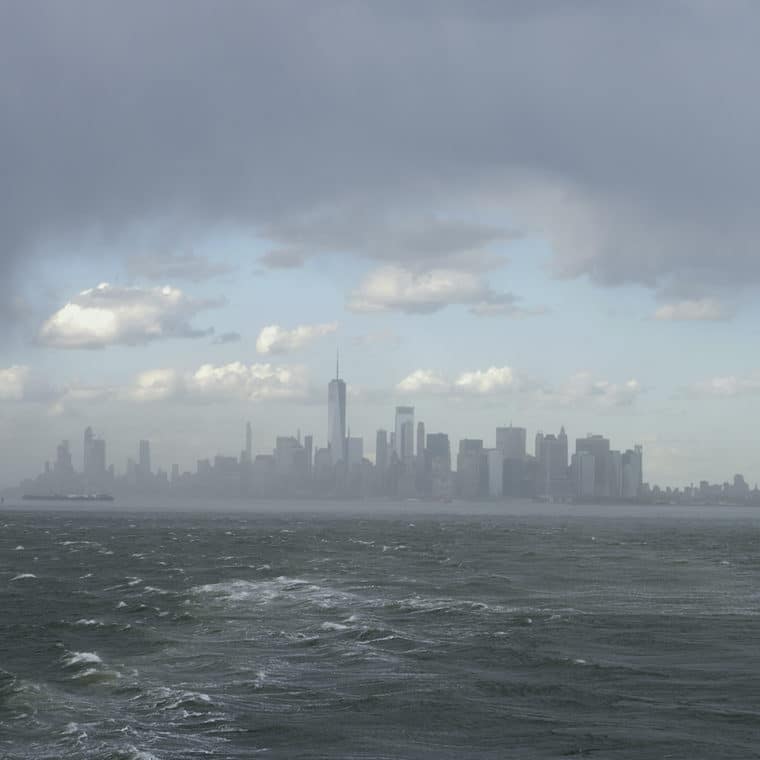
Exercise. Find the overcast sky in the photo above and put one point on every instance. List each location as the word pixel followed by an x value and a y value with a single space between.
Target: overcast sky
pixel 543 212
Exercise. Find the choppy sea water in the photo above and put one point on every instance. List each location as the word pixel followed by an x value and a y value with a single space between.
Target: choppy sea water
pixel 227 636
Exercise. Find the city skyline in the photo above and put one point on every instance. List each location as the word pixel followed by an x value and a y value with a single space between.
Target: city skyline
pixel 403 466
pixel 518 243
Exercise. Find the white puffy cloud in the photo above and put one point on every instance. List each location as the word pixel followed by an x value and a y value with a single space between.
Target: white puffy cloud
pixel 13 382
pixel 423 381
pixel 491 381
pixel 394 288
pixel 108 315
pixel 691 310
pixel 727 386
pixel 583 387
pixel 156 385
pixel 227 382
pixel 274 339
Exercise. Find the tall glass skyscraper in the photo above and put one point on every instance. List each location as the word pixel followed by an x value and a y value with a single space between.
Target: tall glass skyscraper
pixel 336 418
pixel 404 438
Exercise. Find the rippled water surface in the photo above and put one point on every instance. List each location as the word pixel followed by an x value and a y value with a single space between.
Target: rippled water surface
pixel 225 636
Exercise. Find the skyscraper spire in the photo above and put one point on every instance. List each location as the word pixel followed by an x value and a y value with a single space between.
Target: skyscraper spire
pixel 337 364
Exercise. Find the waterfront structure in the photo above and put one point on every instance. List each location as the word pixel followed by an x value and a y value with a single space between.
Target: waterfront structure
pixel 584 475
pixel 511 442
pixel 336 418
pixel 599 447
pixel 354 451
pixel 495 473
pixel 248 442
pixel 404 433
pixel 144 460
pixel 421 441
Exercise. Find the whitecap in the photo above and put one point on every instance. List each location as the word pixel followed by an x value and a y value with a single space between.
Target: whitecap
pixel 23 576
pixel 81 658
pixel 328 626
pixel 19 548
pixel 121 605
pixel 137 754
pixel 88 622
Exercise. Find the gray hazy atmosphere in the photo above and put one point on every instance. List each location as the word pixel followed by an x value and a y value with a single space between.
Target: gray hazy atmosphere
pixel 536 213
pixel 378 379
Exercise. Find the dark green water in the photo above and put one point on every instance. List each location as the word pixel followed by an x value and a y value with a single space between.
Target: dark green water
pixel 226 636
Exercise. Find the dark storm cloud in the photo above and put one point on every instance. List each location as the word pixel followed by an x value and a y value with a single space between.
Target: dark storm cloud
pixel 624 133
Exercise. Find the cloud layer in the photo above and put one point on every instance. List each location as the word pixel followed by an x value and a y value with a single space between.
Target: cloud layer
pixel 110 315
pixel 393 288
pixel 221 383
pixel 624 137
pixel 581 388
pixel 274 339
pixel 691 310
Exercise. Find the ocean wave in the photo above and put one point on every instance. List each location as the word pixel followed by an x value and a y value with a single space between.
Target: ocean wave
pixel 81 658
pixel 329 626
pixel 132 753
pixel 280 589
pixel 23 576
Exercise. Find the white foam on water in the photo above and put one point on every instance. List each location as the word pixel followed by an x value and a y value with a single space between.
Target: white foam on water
pixel 328 626
pixel 82 658
pixel 265 591
pixel 121 605
pixel 23 576
pixel 88 622
pixel 138 754
pixel 19 548
pixel 133 580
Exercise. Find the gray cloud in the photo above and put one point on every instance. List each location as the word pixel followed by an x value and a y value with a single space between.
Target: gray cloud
pixel 284 258
pixel 173 267
pixel 624 135
pixel 227 337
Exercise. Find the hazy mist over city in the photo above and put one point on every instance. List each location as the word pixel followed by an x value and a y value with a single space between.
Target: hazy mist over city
pixel 379 379
pixel 537 214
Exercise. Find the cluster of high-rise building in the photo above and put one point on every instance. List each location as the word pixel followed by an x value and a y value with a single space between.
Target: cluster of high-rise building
pixel 409 463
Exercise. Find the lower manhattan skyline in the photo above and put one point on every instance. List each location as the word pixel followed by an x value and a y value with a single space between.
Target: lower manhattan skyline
pixel 409 461
pixel 510 246
pixel 200 415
